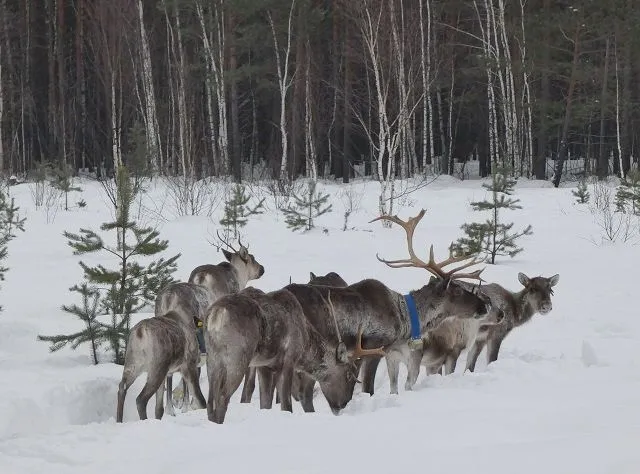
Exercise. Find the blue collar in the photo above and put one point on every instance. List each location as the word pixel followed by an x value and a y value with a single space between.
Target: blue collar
pixel 413 316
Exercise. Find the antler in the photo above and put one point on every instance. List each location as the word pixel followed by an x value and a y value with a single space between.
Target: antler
pixel 433 267
pixel 225 241
pixel 359 352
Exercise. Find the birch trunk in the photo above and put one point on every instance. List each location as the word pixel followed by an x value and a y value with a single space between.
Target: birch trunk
pixel 310 148
pixel 618 140
pixel 284 83
pixel 218 167
pixel 150 110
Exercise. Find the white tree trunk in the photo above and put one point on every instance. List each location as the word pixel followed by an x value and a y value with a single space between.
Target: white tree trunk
pixel 219 168
pixel 153 134
pixel 115 128
pixel 310 148
pixel 618 141
pixel 284 83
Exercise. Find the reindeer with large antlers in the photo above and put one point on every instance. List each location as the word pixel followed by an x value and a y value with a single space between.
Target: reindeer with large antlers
pixel 443 283
pixel 270 332
pixel 206 284
pixel 388 318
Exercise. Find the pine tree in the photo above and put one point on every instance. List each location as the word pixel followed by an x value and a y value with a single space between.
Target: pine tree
pixel 628 193
pixel 492 237
pixel 129 287
pixel 306 208
pixel 62 180
pixel 94 332
pixel 582 193
pixel 236 211
pixel 10 221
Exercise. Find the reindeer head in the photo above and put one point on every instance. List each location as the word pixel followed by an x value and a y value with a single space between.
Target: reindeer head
pixel 244 262
pixel 444 291
pixel 339 373
pixel 538 291
pixel 330 279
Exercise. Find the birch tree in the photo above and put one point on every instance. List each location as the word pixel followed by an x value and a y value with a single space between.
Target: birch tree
pixel 284 84
pixel 212 25
pixel 150 106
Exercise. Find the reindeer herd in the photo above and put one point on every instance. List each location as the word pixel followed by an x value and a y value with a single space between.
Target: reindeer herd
pixel 326 331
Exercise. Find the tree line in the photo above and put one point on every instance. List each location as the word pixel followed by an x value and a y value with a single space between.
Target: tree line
pixel 319 87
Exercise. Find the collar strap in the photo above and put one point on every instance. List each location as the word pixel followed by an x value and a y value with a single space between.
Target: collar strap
pixel 413 316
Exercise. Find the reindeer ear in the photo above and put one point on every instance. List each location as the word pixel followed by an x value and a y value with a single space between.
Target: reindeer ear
pixel 311 275
pixel 524 279
pixel 228 255
pixel 553 281
pixel 243 252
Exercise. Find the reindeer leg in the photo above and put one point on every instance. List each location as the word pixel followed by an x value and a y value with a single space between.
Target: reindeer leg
pixel 393 367
pixel 169 387
pixel 249 385
pixel 284 387
pixel 306 393
pixel 265 379
pixel 155 378
pixel 128 377
pixel 296 383
pixel 413 369
pixel 493 347
pixel 160 400
pixel 368 373
pixel 450 362
pixel 472 355
pixel 190 375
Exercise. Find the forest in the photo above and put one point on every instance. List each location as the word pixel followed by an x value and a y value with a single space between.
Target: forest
pixel 318 88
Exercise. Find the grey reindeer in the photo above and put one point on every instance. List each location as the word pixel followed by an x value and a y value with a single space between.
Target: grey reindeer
pixel 443 297
pixel 518 307
pixel 443 346
pixel 330 279
pixel 207 283
pixel 269 331
pixel 383 314
pixel 167 342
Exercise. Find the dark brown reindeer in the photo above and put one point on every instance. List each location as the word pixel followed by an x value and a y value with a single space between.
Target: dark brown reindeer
pixel 206 284
pixel 330 279
pixel 518 307
pixel 381 313
pixel 269 331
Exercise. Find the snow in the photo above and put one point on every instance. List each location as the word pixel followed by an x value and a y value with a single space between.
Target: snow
pixel 562 397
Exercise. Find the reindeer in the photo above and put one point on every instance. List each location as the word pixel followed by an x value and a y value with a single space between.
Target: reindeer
pixel 383 314
pixel 441 346
pixel 160 346
pixel 206 284
pixel 269 331
pixel 444 296
pixel 330 279
pixel 518 308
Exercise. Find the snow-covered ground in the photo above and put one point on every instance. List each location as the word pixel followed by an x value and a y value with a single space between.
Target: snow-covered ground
pixel 562 398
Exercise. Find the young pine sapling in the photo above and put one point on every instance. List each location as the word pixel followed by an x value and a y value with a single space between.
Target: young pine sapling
pixel 306 208
pixel 131 285
pixel 493 237
pixel 236 210
pixel 94 332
